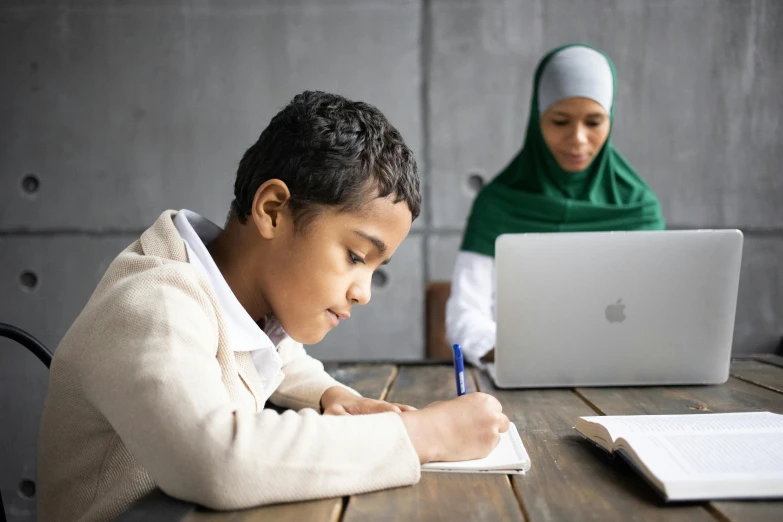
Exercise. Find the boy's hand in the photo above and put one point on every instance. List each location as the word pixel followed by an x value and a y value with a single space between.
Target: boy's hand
pixel 339 401
pixel 464 428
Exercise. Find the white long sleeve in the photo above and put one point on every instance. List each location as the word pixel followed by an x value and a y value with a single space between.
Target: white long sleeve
pixel 470 310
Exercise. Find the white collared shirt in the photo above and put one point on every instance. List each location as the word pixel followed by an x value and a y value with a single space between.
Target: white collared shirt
pixel 244 334
pixel 470 310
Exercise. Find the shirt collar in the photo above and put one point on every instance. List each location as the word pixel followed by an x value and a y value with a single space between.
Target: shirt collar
pixel 243 333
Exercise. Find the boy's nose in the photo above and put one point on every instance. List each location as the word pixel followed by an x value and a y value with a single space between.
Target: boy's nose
pixel 360 291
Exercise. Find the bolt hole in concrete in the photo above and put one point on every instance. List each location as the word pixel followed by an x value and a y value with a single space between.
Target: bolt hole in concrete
pixel 27 489
pixel 380 279
pixel 31 184
pixel 28 280
pixel 476 181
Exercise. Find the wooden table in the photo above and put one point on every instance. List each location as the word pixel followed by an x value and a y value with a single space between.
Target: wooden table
pixel 570 479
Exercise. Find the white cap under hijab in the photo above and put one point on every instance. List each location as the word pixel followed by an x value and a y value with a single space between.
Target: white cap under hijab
pixel 576 71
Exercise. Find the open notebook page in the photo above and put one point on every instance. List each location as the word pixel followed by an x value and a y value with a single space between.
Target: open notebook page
pixel 509 456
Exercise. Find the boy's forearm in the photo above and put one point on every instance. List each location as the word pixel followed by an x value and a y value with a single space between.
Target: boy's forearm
pixel 419 429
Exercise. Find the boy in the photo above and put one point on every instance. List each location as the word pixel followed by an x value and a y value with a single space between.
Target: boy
pixel 162 379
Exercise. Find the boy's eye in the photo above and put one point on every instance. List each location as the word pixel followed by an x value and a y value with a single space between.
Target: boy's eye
pixel 593 123
pixel 560 123
pixel 354 258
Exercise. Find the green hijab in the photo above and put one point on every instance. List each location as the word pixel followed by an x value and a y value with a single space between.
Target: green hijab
pixel 533 194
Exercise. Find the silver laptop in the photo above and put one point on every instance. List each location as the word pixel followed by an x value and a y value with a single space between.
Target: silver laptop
pixel 615 308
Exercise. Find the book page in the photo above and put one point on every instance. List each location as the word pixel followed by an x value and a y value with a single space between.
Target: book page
pixel 624 425
pixel 714 454
pixel 710 465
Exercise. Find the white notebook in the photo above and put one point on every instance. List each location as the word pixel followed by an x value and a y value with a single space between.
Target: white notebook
pixel 508 457
pixel 703 456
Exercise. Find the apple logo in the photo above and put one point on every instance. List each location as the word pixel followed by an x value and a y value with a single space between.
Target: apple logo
pixel 615 313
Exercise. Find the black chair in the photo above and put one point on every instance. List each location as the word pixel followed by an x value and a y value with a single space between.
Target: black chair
pixel 28 341
pixel 38 349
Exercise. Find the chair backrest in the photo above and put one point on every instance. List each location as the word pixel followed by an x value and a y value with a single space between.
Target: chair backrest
pixel 437 294
pixel 28 341
pixel 38 349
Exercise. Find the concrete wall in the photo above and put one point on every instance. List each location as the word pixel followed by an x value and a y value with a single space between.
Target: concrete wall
pixel 111 112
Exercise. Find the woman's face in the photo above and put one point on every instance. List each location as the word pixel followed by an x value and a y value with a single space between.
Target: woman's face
pixel 575 129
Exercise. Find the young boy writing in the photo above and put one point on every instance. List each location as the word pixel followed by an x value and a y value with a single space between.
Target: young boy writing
pixel 163 378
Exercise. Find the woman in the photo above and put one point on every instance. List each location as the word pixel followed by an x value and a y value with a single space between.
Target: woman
pixel 568 177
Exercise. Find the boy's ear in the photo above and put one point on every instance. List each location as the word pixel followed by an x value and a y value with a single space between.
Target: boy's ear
pixel 269 207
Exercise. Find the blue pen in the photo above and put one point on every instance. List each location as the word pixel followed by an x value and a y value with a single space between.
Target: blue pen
pixel 459 370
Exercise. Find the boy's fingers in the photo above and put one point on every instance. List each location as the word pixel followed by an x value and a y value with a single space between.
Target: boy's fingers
pixel 404 407
pixel 504 424
pixel 335 409
pixel 372 406
pixel 382 406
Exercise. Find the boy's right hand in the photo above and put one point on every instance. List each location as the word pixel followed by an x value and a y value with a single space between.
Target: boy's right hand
pixel 464 428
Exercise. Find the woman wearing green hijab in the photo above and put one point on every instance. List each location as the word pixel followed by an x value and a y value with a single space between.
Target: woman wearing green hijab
pixel 568 177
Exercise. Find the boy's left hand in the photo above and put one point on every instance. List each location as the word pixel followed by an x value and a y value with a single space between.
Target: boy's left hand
pixel 339 401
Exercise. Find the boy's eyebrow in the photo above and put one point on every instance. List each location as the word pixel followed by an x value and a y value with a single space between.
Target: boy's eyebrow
pixel 380 245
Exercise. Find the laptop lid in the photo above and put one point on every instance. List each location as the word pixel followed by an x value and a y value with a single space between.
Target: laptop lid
pixel 615 308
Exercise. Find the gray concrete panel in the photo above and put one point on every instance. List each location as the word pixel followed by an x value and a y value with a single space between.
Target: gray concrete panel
pixel 125 110
pixel 441 254
pixel 698 108
pixel 759 322
pixel 23 384
pixel 391 325
pixel 64 270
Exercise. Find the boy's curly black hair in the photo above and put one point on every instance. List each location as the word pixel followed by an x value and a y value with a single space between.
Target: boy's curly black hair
pixel 331 152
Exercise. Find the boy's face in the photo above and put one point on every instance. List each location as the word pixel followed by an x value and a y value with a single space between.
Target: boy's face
pixel 318 274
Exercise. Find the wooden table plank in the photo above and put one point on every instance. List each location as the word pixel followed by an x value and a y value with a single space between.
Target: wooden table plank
pixel 767 375
pixel 327 510
pixel 439 496
pixel 750 510
pixel 371 380
pixel 771 358
pixel 444 497
pixel 571 479
pixel 421 385
pixel 156 507
pixel 736 395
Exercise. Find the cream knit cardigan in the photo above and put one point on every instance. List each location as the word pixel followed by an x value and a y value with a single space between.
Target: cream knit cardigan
pixel 144 391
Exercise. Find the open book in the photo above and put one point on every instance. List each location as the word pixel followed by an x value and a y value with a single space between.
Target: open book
pixel 508 457
pixel 698 457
